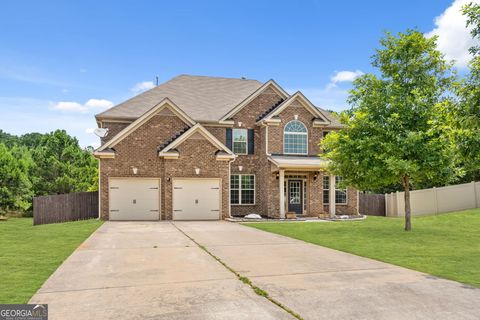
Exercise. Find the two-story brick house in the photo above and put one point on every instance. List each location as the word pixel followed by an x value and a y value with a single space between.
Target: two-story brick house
pixel 201 148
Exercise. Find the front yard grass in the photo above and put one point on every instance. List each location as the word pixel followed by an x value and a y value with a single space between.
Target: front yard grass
pixel 29 255
pixel 446 245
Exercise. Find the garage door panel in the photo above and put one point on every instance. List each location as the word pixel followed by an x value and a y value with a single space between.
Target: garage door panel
pixel 134 199
pixel 196 199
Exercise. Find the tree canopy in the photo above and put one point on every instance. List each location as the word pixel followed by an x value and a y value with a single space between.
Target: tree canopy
pixel 397 128
pixel 40 164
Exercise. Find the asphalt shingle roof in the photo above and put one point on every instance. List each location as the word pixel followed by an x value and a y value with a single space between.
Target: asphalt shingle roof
pixel 202 98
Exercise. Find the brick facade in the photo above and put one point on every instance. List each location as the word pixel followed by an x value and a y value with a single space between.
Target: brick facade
pixel 113 129
pixel 139 149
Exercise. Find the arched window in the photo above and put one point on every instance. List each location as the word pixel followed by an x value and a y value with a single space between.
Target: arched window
pixel 295 138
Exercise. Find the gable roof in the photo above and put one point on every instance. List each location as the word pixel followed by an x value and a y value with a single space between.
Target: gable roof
pixel 165 103
pixel 269 84
pixel 202 98
pixel 297 96
pixel 204 132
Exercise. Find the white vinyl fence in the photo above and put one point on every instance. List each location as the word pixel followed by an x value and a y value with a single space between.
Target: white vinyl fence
pixel 435 200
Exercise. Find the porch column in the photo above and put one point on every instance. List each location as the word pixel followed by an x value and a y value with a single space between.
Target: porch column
pixel 331 196
pixel 281 180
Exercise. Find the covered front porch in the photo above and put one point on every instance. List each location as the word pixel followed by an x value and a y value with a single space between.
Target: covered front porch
pixel 300 186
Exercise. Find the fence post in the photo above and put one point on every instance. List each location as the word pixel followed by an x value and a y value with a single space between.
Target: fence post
pixel 386 205
pixel 435 198
pixel 475 191
pixel 397 196
pixel 474 195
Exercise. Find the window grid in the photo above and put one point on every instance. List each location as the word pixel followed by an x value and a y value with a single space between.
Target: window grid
pixel 295 138
pixel 242 189
pixel 240 141
pixel 340 194
pixel 294 189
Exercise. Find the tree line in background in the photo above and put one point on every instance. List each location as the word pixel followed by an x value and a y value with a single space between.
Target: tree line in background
pixel 37 164
pixel 414 123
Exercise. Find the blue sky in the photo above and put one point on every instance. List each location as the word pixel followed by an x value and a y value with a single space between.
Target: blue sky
pixel 61 62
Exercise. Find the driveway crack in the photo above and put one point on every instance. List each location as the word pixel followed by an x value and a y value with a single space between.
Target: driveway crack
pixel 259 291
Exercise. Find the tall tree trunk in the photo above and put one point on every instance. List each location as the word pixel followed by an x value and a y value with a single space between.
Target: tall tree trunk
pixel 408 219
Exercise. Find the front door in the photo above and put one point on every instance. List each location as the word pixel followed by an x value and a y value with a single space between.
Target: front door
pixel 295 195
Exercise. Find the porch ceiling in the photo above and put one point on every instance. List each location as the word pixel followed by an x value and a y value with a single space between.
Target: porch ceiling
pixel 299 162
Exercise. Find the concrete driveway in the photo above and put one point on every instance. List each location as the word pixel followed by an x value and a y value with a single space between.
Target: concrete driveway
pixel 148 270
pixel 135 270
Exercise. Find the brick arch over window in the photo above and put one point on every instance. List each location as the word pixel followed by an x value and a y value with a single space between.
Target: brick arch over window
pixel 295 138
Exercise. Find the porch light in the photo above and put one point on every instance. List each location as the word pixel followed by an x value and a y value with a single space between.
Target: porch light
pixel 315 176
pixel 135 170
pixel 197 171
pixel 240 168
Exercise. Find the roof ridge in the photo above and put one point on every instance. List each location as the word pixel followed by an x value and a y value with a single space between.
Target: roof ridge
pixel 216 77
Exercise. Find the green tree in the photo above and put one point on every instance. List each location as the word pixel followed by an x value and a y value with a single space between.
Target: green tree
pixel 397 128
pixel 61 166
pixel 467 115
pixel 15 186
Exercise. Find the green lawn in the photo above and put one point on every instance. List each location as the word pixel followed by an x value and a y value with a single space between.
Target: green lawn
pixel 29 255
pixel 446 245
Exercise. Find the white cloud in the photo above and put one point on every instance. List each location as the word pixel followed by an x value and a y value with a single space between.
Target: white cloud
pixel 83 70
pixel 90 105
pixel 142 86
pixel 22 115
pixel 94 144
pixel 454 38
pixel 345 76
pixel 65 90
pixel 89 130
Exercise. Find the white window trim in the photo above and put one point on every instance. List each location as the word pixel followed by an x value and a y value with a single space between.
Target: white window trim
pixel 240 190
pixel 336 189
pixel 298 133
pixel 246 141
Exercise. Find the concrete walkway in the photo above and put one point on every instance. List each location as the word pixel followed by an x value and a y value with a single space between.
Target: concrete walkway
pixel 320 283
pixel 151 270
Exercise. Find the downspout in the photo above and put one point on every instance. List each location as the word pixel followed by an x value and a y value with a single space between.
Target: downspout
pixel 99 192
pixel 266 140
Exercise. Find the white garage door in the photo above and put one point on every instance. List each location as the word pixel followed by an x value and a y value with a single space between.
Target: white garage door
pixel 134 199
pixel 196 199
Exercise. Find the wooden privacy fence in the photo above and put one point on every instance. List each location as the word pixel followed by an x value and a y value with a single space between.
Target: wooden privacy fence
pixel 371 204
pixel 65 207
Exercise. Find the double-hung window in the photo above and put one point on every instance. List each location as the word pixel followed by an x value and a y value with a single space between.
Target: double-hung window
pixel 242 189
pixel 340 194
pixel 240 141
